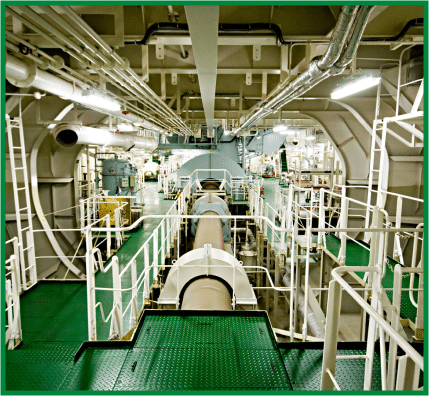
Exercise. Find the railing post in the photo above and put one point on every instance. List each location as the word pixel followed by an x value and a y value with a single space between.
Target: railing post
pixel 307 271
pixel 16 331
pixel 265 220
pixel 163 242
pixel 343 224
pixel 82 215
pixel 117 225
pixel 108 236
pixel 117 298
pixel 31 258
pixel 88 211
pixel 168 234
pixel 397 251
pixel 20 266
pixel 155 255
pixel 332 325
pixel 90 287
pixel 146 284
pixel 321 216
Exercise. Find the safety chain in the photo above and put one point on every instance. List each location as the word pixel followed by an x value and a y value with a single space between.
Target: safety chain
pixel 387 261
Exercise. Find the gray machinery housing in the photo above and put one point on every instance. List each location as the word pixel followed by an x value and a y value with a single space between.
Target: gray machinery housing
pixel 119 177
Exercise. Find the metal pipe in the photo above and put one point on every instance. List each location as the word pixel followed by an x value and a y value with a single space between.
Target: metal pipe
pixel 67 135
pixel 21 74
pixel 314 327
pixel 348 28
pixel 223 27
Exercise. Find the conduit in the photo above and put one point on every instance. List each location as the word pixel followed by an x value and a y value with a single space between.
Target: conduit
pixel 67 135
pixel 22 74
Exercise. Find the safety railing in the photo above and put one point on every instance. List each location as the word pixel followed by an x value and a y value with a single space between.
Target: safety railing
pixel 406 376
pixel 13 310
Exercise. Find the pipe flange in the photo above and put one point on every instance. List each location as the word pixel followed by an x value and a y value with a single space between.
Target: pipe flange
pixel 59 62
pixel 46 64
pixel 126 63
pixel 32 71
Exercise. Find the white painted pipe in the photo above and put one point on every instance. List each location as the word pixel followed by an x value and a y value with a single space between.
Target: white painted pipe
pixel 22 74
pixel 67 135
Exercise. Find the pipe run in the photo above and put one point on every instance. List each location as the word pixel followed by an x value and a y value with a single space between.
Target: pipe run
pixel 23 74
pixel 67 135
pixel 349 29
pixel 223 28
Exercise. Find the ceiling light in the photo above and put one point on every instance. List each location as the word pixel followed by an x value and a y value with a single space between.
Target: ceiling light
pixel 280 128
pixel 258 137
pixel 286 132
pixel 354 85
pixel 310 137
pixel 101 101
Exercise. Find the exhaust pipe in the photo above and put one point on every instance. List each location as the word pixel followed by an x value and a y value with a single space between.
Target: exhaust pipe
pixel 67 135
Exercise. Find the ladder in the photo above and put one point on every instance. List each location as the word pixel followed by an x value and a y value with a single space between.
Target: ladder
pixel 377 169
pixel 22 201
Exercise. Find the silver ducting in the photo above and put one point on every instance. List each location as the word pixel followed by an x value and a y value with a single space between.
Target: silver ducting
pixel 67 135
pixel 25 74
pixel 313 325
pixel 349 29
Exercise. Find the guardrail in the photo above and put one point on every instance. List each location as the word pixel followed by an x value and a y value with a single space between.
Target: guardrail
pixel 13 310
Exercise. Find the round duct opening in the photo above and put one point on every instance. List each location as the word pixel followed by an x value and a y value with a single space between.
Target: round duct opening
pixel 210 184
pixel 65 135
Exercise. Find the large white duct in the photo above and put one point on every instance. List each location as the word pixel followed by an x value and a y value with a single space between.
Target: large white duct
pixel 67 135
pixel 24 74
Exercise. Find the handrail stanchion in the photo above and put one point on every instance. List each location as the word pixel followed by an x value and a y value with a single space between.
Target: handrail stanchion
pixel 82 215
pixel 332 326
pixel 117 298
pixel 147 274
pixel 322 215
pixel 90 287
pixel 163 241
pixel 108 236
pixel 31 258
pixel 88 211
pixel 134 296
pixel 266 215
pixel 155 254
pixel 117 225
pixel 20 266
pixel 343 224
pixel 235 237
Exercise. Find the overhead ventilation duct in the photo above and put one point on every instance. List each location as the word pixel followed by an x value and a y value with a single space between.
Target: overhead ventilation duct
pixel 67 135
pixel 22 74
pixel 349 29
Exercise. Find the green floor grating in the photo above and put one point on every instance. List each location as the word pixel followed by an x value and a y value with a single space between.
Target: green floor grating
pixel 304 367
pixel 357 255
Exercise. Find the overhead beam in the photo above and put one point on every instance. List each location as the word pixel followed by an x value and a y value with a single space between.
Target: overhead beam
pixel 203 22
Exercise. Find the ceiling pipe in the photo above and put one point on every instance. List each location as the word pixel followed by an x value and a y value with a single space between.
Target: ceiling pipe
pixel 111 69
pixel 223 27
pixel 67 135
pixel 349 28
pixel 22 74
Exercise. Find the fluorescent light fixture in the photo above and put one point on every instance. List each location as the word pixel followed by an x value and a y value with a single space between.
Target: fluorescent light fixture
pixel 354 85
pixel 286 132
pixel 310 137
pixel 99 100
pixel 258 137
pixel 280 128
pixel 123 127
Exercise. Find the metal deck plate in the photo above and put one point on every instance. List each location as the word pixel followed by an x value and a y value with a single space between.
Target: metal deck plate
pixel 304 367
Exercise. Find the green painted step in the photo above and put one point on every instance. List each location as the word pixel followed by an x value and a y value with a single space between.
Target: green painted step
pixel 357 255
pixel 304 367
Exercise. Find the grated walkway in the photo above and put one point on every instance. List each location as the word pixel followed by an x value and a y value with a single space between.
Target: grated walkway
pixel 357 255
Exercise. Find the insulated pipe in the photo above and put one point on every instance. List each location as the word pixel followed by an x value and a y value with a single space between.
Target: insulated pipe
pixel 209 231
pixel 68 135
pixel 314 327
pixel 348 28
pixel 207 294
pixel 21 74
